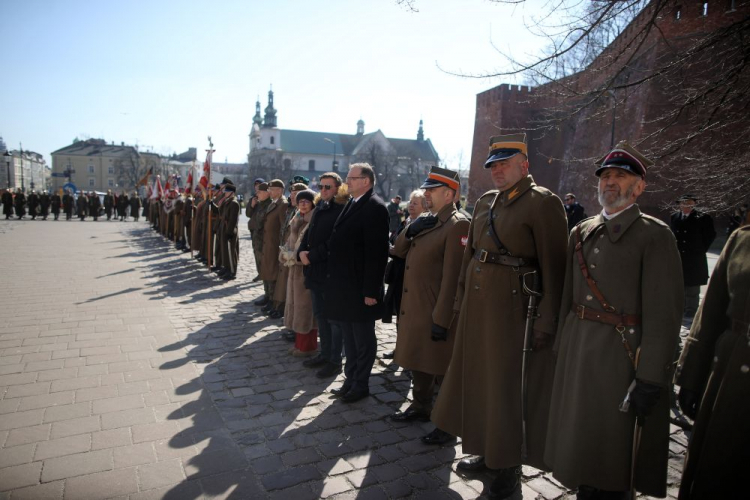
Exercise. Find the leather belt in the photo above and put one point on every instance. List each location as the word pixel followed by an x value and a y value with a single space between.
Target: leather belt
pixel 608 318
pixel 503 259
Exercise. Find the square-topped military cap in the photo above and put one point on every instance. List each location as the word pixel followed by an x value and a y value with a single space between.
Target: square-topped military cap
pixel 441 177
pixel 625 157
pixel 503 147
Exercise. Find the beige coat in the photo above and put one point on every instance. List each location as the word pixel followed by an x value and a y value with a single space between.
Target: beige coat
pixel 433 262
pixel 282 278
pixel 635 262
pixel 480 399
pixel 275 216
pixel 298 312
pixel 716 364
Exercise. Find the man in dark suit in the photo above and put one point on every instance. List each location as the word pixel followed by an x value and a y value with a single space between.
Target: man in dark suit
pixel 358 251
pixel 694 231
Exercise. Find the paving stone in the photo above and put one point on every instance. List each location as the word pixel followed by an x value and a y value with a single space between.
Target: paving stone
pixel 291 477
pixel 16 455
pixel 118 403
pixel 63 446
pixel 45 400
pixel 102 484
pixel 71 384
pixel 127 418
pixel 110 438
pixel 104 392
pixel 160 474
pixel 137 454
pixel 18 391
pixel 334 486
pixel 19 419
pixel 46 491
pixel 180 490
pixel 77 465
pixel 209 463
pixel 20 475
pixel 155 431
pixel 25 435
pixel 67 412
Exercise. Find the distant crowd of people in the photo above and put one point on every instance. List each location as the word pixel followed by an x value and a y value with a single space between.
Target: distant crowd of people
pixel 81 205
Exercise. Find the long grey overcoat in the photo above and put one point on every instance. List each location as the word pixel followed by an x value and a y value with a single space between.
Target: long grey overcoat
pixel 716 364
pixel 480 398
pixel 634 260
pixel 433 262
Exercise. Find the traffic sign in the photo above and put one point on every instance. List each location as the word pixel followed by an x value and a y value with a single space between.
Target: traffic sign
pixel 58 174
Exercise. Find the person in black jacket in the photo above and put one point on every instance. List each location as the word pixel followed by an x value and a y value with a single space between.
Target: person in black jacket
pixel 358 251
pixel 33 202
pixel 82 206
pixel 8 204
pixel 20 203
pixel 573 210
pixel 44 202
pixel 313 253
pixel 55 203
pixel 694 231
pixel 68 202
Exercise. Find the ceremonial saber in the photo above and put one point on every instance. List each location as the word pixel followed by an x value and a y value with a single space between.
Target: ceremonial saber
pixel 534 294
pixel 210 202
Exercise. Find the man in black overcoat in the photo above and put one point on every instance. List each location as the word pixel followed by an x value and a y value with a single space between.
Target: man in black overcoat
pixel 694 231
pixel 354 280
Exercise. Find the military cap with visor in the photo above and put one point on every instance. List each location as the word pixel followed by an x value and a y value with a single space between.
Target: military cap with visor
pixel 625 157
pixel 503 147
pixel 441 177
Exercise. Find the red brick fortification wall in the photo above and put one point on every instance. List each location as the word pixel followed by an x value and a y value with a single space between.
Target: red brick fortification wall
pixel 562 159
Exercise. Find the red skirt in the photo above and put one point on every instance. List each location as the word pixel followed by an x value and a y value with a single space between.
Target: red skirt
pixel 306 342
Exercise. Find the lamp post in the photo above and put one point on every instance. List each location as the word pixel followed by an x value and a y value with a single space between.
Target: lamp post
pixel 614 115
pixel 7 157
pixel 333 165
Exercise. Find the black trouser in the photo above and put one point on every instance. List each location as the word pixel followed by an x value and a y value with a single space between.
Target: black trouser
pixel 360 346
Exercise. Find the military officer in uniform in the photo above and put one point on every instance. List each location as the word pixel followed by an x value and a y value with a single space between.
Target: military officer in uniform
pixel 109 203
pixel 20 202
pixel 256 212
pixel 67 202
pixel 44 204
pixel 33 202
pixel 55 203
pixel 714 378
pixel 230 243
pixel 7 204
pixel 433 246
pixel 274 219
pixel 517 229
pixel 135 206
pixel 695 233
pixel 621 311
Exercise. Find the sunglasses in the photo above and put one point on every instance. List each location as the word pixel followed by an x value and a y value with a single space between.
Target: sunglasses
pixel 326 186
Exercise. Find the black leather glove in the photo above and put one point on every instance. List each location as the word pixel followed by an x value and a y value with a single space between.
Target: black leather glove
pixel 439 333
pixel 644 397
pixel 689 401
pixel 420 224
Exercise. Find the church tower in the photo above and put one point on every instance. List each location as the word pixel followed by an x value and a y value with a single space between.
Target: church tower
pixel 420 133
pixel 269 121
pixel 360 127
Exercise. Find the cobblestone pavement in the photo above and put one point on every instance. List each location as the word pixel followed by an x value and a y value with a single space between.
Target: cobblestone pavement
pixel 127 371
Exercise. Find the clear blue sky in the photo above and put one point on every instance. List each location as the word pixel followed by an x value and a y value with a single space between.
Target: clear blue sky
pixel 166 74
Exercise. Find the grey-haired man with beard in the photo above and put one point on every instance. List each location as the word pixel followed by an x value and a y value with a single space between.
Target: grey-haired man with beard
pixel 620 320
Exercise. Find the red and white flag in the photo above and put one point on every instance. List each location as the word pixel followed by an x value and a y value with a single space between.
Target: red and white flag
pixel 206 177
pixel 189 184
pixel 156 191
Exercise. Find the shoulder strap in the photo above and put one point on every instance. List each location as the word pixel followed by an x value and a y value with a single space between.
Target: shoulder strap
pixel 585 271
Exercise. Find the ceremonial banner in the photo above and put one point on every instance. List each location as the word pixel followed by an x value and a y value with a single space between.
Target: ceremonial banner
pixel 144 180
pixel 206 177
pixel 156 192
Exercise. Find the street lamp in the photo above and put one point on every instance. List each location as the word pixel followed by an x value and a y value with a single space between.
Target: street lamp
pixel 614 115
pixel 334 153
pixel 7 156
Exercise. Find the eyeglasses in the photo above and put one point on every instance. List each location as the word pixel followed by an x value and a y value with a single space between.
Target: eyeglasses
pixel 326 186
pixel 348 177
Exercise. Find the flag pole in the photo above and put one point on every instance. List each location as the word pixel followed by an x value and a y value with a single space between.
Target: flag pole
pixel 208 233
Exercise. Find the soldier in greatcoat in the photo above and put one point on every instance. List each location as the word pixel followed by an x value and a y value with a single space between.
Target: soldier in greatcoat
pixel 256 212
pixel 82 206
pixel 714 378
pixel 122 206
pixel 433 246
pixel 230 242
pixel 279 295
pixel 135 206
pixel 186 236
pixel 695 233
pixel 67 202
pixel 274 219
pixel 94 205
pixel 7 204
pixel 516 229
pixel 621 311
pixel 109 203
pixel 55 203
pixel 44 202
pixel 33 202
pixel 20 202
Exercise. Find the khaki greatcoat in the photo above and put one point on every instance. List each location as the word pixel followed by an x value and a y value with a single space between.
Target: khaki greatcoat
pixel 480 398
pixel 433 262
pixel 634 260
pixel 717 358
pixel 275 216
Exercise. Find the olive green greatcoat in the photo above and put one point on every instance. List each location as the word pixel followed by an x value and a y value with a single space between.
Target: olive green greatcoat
pixel 275 216
pixel 480 398
pixel 716 364
pixel 636 265
pixel 298 312
pixel 433 262
pixel 230 238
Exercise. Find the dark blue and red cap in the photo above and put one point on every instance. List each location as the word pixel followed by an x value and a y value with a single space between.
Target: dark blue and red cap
pixel 625 157
pixel 503 147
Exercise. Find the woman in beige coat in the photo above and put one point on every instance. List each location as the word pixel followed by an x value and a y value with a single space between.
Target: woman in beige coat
pixel 298 312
